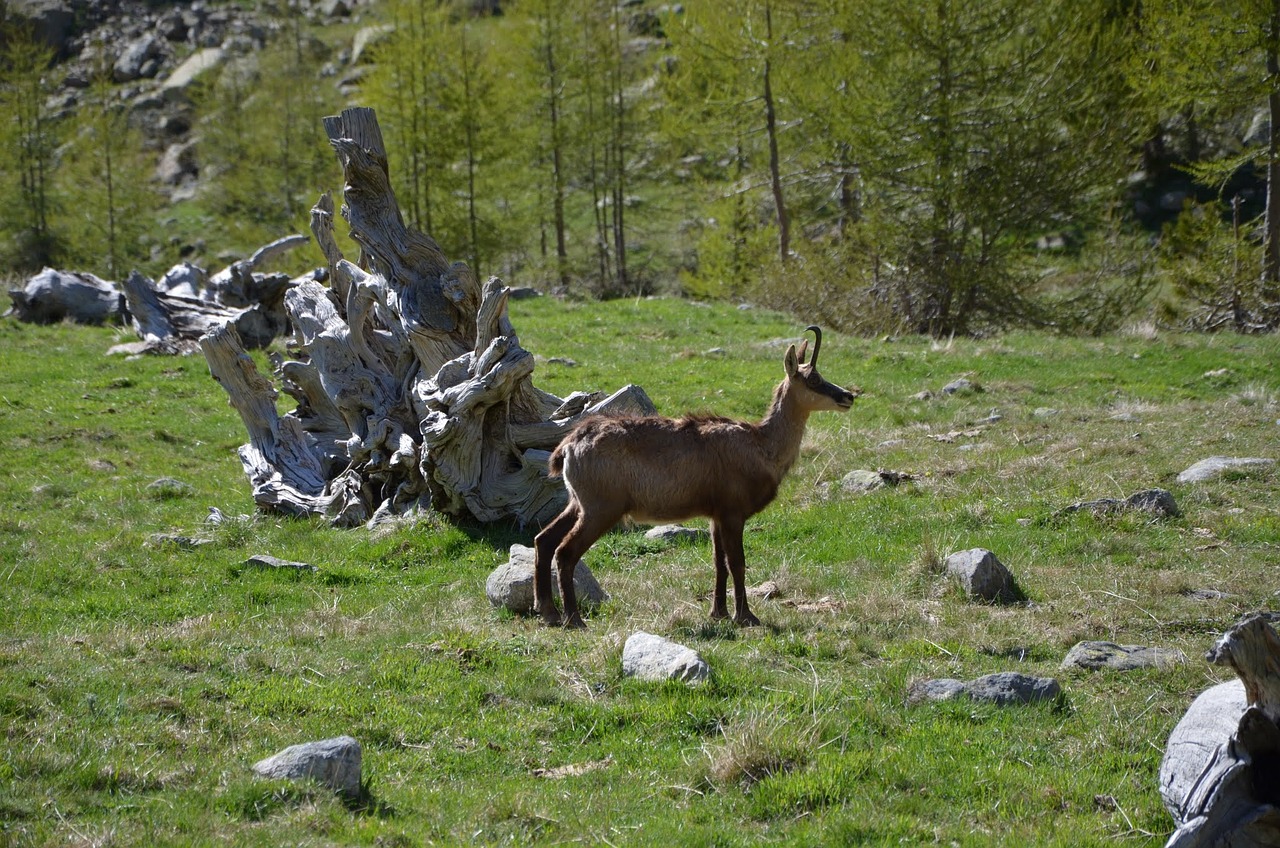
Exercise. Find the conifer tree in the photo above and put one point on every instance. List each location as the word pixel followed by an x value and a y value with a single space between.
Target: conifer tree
pixel 28 139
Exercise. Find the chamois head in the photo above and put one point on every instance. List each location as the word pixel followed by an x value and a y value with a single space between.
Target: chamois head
pixel 807 386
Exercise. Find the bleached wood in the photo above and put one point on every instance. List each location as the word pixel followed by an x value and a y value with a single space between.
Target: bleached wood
pixel 1220 777
pixel 413 389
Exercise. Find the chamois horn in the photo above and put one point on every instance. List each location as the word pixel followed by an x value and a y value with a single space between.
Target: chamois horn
pixel 817 343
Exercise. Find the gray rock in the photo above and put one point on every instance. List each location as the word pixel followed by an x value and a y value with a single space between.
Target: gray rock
pixel 1097 655
pixel 367 37
pixel 649 657
pixel 943 689
pixel 177 164
pixel 1216 466
pixel 860 481
pixel 265 561
pixel 169 488
pixel 178 85
pixel 136 58
pixel 1002 689
pixel 1211 720
pixel 1045 412
pixel 510 585
pixel 335 763
pixel 1158 502
pixel 983 576
pixel 675 533
pixel 960 386
pixel 1011 687
pixel 52 22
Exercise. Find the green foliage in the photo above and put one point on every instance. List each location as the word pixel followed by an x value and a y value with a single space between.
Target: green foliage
pixel 262 140
pixel 106 179
pixel 28 139
pixel 1211 267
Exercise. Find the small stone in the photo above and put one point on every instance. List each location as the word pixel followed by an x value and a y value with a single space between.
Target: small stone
pixel 167 487
pixel 1002 689
pixel 510 585
pixel 1216 466
pixel 861 481
pixel 1158 502
pixel 1011 687
pixel 944 689
pixel 1045 412
pixel 764 591
pixel 675 533
pixel 264 561
pixel 1098 655
pixel 959 386
pixel 923 396
pixel 335 763
pixel 653 658
pixel 983 576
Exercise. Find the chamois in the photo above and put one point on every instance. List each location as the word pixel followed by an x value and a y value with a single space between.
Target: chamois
pixel 657 469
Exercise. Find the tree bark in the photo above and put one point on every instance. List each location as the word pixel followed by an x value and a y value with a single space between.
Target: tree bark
pixel 413 390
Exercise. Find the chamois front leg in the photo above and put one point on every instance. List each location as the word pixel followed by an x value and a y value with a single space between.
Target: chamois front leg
pixel 588 527
pixel 719 607
pixel 737 561
pixel 545 545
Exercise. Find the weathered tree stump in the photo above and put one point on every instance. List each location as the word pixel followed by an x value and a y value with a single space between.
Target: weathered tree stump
pixel 1220 777
pixel 413 390
pixel 171 314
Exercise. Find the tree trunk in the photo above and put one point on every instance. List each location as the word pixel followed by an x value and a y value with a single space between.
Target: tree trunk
pixel 413 391
pixel 1271 236
pixel 1220 777
pixel 771 128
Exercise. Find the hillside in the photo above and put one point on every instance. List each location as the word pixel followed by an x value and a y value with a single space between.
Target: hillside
pixel 604 150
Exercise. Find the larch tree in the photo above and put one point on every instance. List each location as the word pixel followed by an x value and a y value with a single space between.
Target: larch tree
pixel 1222 61
pixel 28 140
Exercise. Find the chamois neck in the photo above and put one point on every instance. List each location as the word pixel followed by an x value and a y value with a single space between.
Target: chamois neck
pixel 783 428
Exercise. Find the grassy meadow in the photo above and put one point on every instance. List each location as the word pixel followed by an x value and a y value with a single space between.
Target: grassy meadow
pixel 140 679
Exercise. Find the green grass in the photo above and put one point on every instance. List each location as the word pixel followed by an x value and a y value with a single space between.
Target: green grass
pixel 139 680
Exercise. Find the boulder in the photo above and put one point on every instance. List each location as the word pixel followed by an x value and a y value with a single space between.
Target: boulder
pixel 510 585
pixel 335 763
pixel 653 658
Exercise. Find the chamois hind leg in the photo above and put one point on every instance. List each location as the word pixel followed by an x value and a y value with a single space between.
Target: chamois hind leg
pixel 719 607
pixel 545 544
pixel 586 530
pixel 732 535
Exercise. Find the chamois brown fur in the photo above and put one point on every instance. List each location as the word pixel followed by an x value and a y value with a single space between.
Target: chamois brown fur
pixel 656 469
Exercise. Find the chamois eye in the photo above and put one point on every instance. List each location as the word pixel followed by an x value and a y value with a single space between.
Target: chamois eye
pixel 813 380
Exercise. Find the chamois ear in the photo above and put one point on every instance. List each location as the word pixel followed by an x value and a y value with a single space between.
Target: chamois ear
pixel 792 362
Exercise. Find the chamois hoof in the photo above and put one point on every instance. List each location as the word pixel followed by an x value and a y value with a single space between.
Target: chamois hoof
pixel 551 619
pixel 575 622
pixel 746 620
